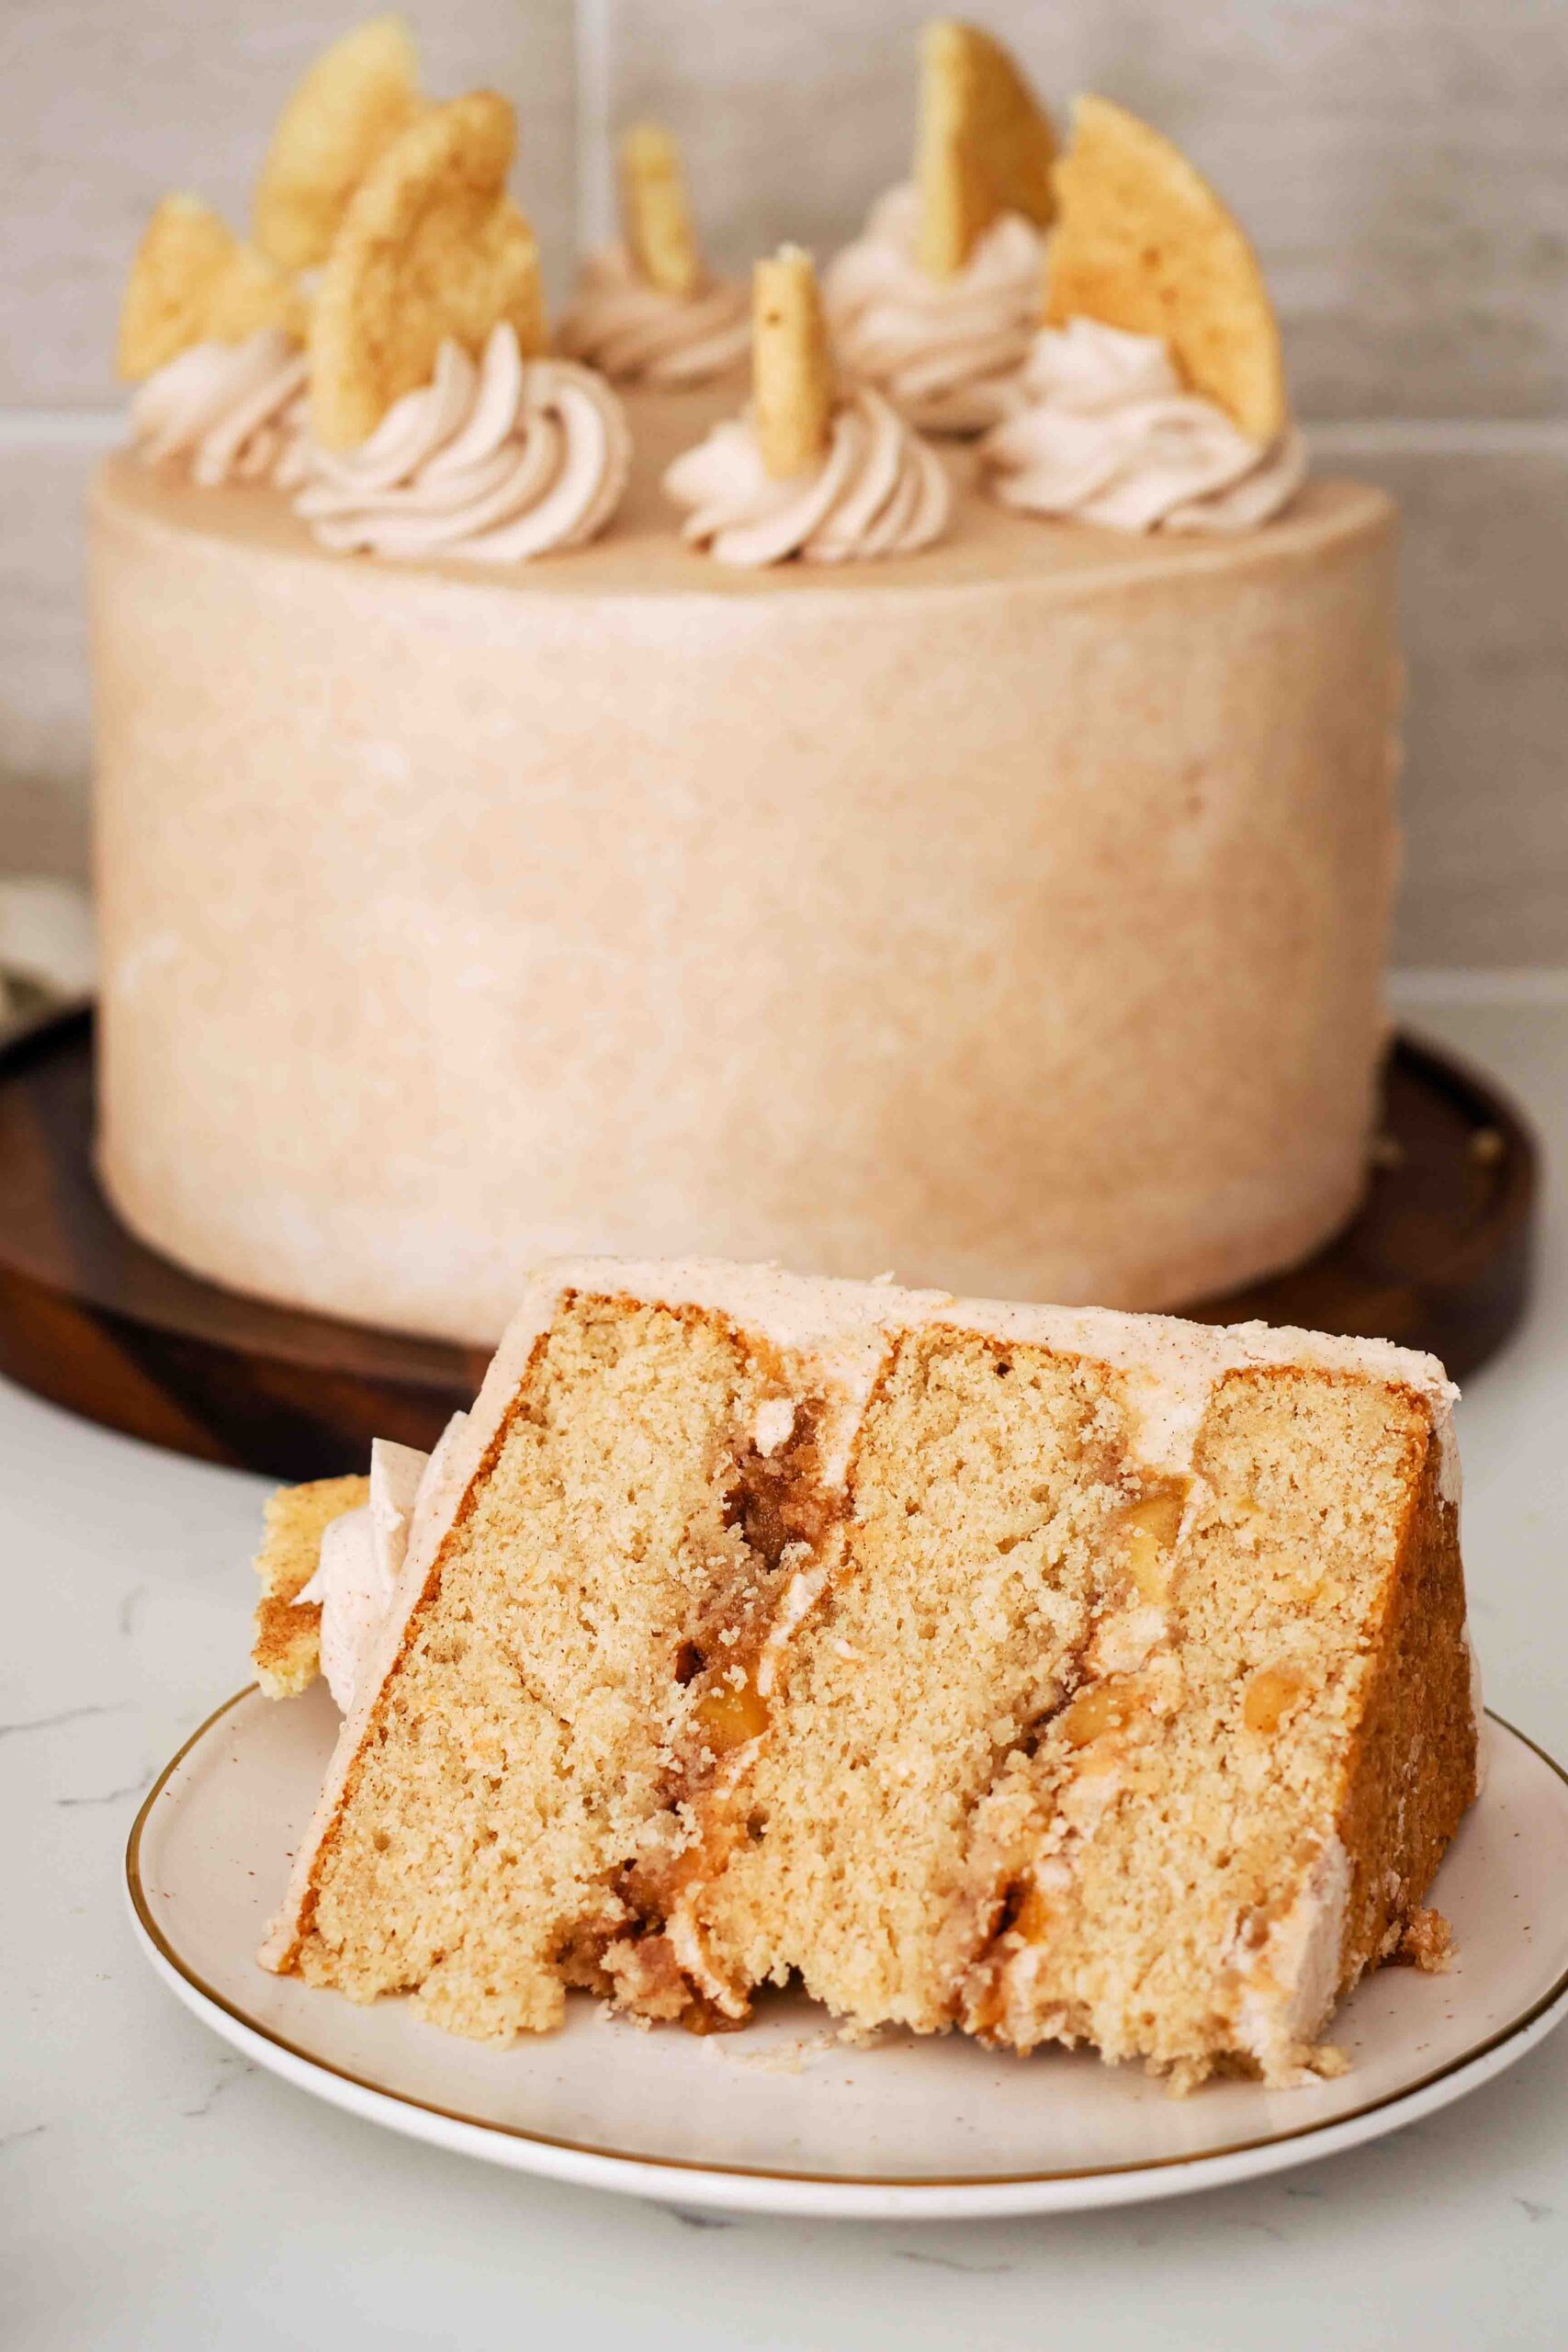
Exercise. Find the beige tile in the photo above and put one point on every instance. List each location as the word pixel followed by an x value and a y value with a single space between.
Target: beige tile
pixel 1401 165
pixel 1486 624
pixel 44 733
pixel 1401 162
pixel 1486 586
pixel 107 104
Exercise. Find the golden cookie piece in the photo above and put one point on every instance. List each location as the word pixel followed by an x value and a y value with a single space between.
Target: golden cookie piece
pixel 345 112
pixel 1142 243
pixel 793 388
pixel 985 145
pixel 431 247
pixel 656 217
pixel 193 281
pixel 286 1638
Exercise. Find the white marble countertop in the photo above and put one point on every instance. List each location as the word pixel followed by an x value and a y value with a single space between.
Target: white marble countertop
pixel 156 2190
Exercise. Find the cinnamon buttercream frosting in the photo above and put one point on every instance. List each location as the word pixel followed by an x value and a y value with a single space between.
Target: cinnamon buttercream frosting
pixel 946 350
pixel 634 332
pixel 363 1553
pixel 879 489
pixel 232 412
pixel 1104 432
pixel 492 463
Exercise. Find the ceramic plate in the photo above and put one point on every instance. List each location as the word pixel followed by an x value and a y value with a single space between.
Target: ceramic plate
pixel 784 2118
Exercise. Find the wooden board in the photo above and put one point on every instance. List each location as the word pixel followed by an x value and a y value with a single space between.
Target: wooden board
pixel 1438 1257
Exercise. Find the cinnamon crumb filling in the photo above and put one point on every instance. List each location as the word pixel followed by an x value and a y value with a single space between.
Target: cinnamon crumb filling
pixel 784 1516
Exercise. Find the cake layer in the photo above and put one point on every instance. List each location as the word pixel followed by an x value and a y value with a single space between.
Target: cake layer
pixel 1056 1674
pixel 1012 913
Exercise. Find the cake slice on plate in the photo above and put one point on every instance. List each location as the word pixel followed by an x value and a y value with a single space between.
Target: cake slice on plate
pixel 1056 1674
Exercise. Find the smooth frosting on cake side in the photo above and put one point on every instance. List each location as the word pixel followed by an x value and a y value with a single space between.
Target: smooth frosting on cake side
pixel 1011 912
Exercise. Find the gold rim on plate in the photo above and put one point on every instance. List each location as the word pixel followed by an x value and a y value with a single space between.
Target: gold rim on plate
pixel 902 2181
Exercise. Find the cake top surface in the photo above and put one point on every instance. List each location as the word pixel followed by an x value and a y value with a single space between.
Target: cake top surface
pixel 640 552
pixel 810 1311
pixel 1171 1365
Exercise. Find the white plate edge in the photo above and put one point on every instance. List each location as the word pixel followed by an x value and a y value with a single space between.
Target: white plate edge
pixel 671 2182
pixel 771 2193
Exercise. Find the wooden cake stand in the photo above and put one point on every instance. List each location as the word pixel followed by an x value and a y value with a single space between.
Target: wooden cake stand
pixel 1437 1256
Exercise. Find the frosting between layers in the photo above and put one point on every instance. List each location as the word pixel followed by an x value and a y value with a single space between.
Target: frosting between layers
pixel 1101 430
pixel 494 464
pixel 634 332
pixel 1286 1989
pixel 846 1329
pixel 879 491
pixel 945 349
pixel 235 412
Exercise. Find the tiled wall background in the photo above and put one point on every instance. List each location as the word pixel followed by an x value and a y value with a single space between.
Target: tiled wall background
pixel 1403 164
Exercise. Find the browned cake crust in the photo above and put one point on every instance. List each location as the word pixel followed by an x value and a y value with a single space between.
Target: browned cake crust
pixel 286 1641
pixel 1413 1772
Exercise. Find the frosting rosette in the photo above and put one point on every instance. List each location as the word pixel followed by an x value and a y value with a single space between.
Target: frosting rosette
pixel 232 412
pixel 1104 432
pixel 945 349
pixel 492 463
pixel 634 332
pixel 879 491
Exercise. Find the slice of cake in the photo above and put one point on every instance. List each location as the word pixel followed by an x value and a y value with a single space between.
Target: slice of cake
pixel 1052 1674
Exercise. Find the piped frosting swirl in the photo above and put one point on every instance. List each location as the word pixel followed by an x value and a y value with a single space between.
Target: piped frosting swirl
pixel 1102 432
pixel 944 349
pixel 879 489
pixel 634 332
pixel 231 412
pixel 491 464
